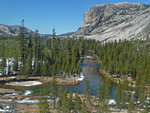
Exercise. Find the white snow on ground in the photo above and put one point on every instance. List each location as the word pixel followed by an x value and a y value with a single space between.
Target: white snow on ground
pixel 13 77
pixel 11 94
pixel 87 57
pixel 25 83
pixel 80 78
pixel 27 100
pixel 5 109
pixel 32 83
pixel 9 62
pixel 111 102
pixel 137 102
pixel 5 100
pixel 2 110
pixel 28 92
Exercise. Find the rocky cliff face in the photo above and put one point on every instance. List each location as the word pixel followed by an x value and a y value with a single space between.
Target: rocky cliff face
pixel 13 30
pixel 111 22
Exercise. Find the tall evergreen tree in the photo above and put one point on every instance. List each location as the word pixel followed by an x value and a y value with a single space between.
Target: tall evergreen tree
pixel 118 95
pixel 77 104
pixel 3 62
pixel 43 104
pixel 15 62
pixel 23 44
pixel 3 65
pixel 87 90
pixel 53 91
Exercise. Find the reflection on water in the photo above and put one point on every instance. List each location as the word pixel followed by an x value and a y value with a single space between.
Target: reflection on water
pixel 89 69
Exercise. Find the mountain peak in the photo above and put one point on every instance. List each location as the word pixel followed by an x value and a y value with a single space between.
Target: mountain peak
pixel 111 22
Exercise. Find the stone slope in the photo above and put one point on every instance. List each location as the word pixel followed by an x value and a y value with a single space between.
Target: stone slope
pixel 111 22
pixel 13 30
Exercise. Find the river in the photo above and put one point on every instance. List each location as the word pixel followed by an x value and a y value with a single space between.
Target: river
pixel 89 68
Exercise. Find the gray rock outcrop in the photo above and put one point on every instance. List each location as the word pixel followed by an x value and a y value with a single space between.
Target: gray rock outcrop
pixel 111 22
pixel 13 30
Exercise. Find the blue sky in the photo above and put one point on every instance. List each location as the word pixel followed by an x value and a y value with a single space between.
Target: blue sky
pixel 64 15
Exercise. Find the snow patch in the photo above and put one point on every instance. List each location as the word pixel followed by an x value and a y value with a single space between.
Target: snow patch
pixel 12 94
pixel 111 102
pixel 80 78
pixel 27 100
pixel 32 83
pixel 28 92
pixel 25 83
pixel 5 109
pixel 87 57
pixel 2 110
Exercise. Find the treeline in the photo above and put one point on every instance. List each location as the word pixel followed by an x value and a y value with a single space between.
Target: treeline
pixel 125 58
pixel 36 56
pixel 57 56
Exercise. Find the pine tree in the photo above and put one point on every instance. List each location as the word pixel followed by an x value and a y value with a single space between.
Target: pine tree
pixel 78 69
pixel 77 104
pixel 146 108
pixel 142 90
pixel 15 62
pixel 28 64
pixel 70 102
pixel 54 33
pixel 99 92
pixel 45 69
pixel 37 67
pixel 60 96
pixel 3 65
pixel 103 107
pixel 23 44
pixel 118 95
pixel 53 91
pixel 37 44
pixel 87 90
pixel 37 53
pixel 131 107
pixel 64 108
pixel 84 109
pixel 43 104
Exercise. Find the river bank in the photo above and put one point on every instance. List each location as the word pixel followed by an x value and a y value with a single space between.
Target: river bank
pixel 33 81
pixel 29 103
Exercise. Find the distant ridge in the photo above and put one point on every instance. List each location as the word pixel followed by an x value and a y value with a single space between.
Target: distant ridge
pixel 66 34
pixel 8 30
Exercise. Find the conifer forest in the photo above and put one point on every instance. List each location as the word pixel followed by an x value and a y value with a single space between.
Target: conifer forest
pixel 124 64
